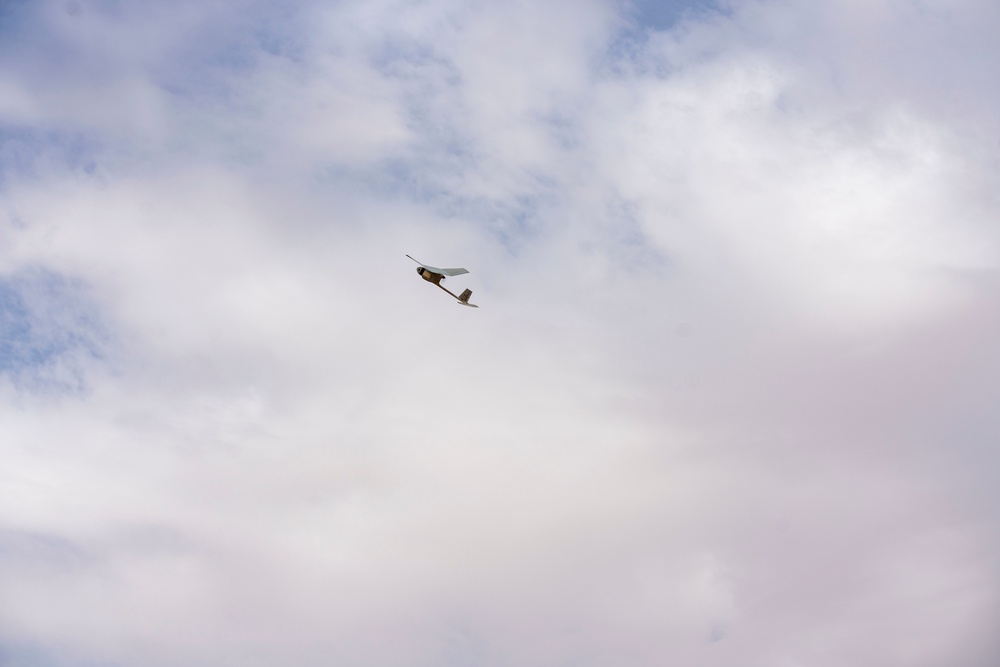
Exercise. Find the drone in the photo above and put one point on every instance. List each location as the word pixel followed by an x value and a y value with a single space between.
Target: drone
pixel 434 275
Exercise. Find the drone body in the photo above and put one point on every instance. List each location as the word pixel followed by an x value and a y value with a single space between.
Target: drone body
pixel 435 276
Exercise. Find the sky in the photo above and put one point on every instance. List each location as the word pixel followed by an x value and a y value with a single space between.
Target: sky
pixel 729 399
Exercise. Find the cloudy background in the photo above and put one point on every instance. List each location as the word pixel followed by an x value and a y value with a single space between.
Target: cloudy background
pixel 730 400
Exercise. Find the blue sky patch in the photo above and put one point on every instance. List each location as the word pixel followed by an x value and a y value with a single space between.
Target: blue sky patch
pixel 664 14
pixel 50 331
pixel 27 152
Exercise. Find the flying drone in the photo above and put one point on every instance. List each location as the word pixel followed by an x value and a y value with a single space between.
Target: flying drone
pixel 435 276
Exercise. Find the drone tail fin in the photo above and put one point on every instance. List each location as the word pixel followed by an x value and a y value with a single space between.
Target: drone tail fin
pixel 463 299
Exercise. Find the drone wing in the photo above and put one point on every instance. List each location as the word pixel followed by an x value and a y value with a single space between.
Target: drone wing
pixel 448 272
pixel 443 272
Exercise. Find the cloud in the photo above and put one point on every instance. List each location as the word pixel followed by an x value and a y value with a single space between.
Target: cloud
pixel 728 396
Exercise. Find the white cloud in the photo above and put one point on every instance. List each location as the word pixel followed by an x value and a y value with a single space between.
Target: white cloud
pixel 728 397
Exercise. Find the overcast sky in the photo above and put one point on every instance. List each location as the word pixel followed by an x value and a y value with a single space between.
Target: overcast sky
pixel 731 397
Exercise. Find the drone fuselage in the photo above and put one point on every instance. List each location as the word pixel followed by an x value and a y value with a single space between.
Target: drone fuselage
pixel 430 276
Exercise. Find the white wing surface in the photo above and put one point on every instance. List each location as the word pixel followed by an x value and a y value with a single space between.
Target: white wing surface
pixel 443 272
pixel 448 272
